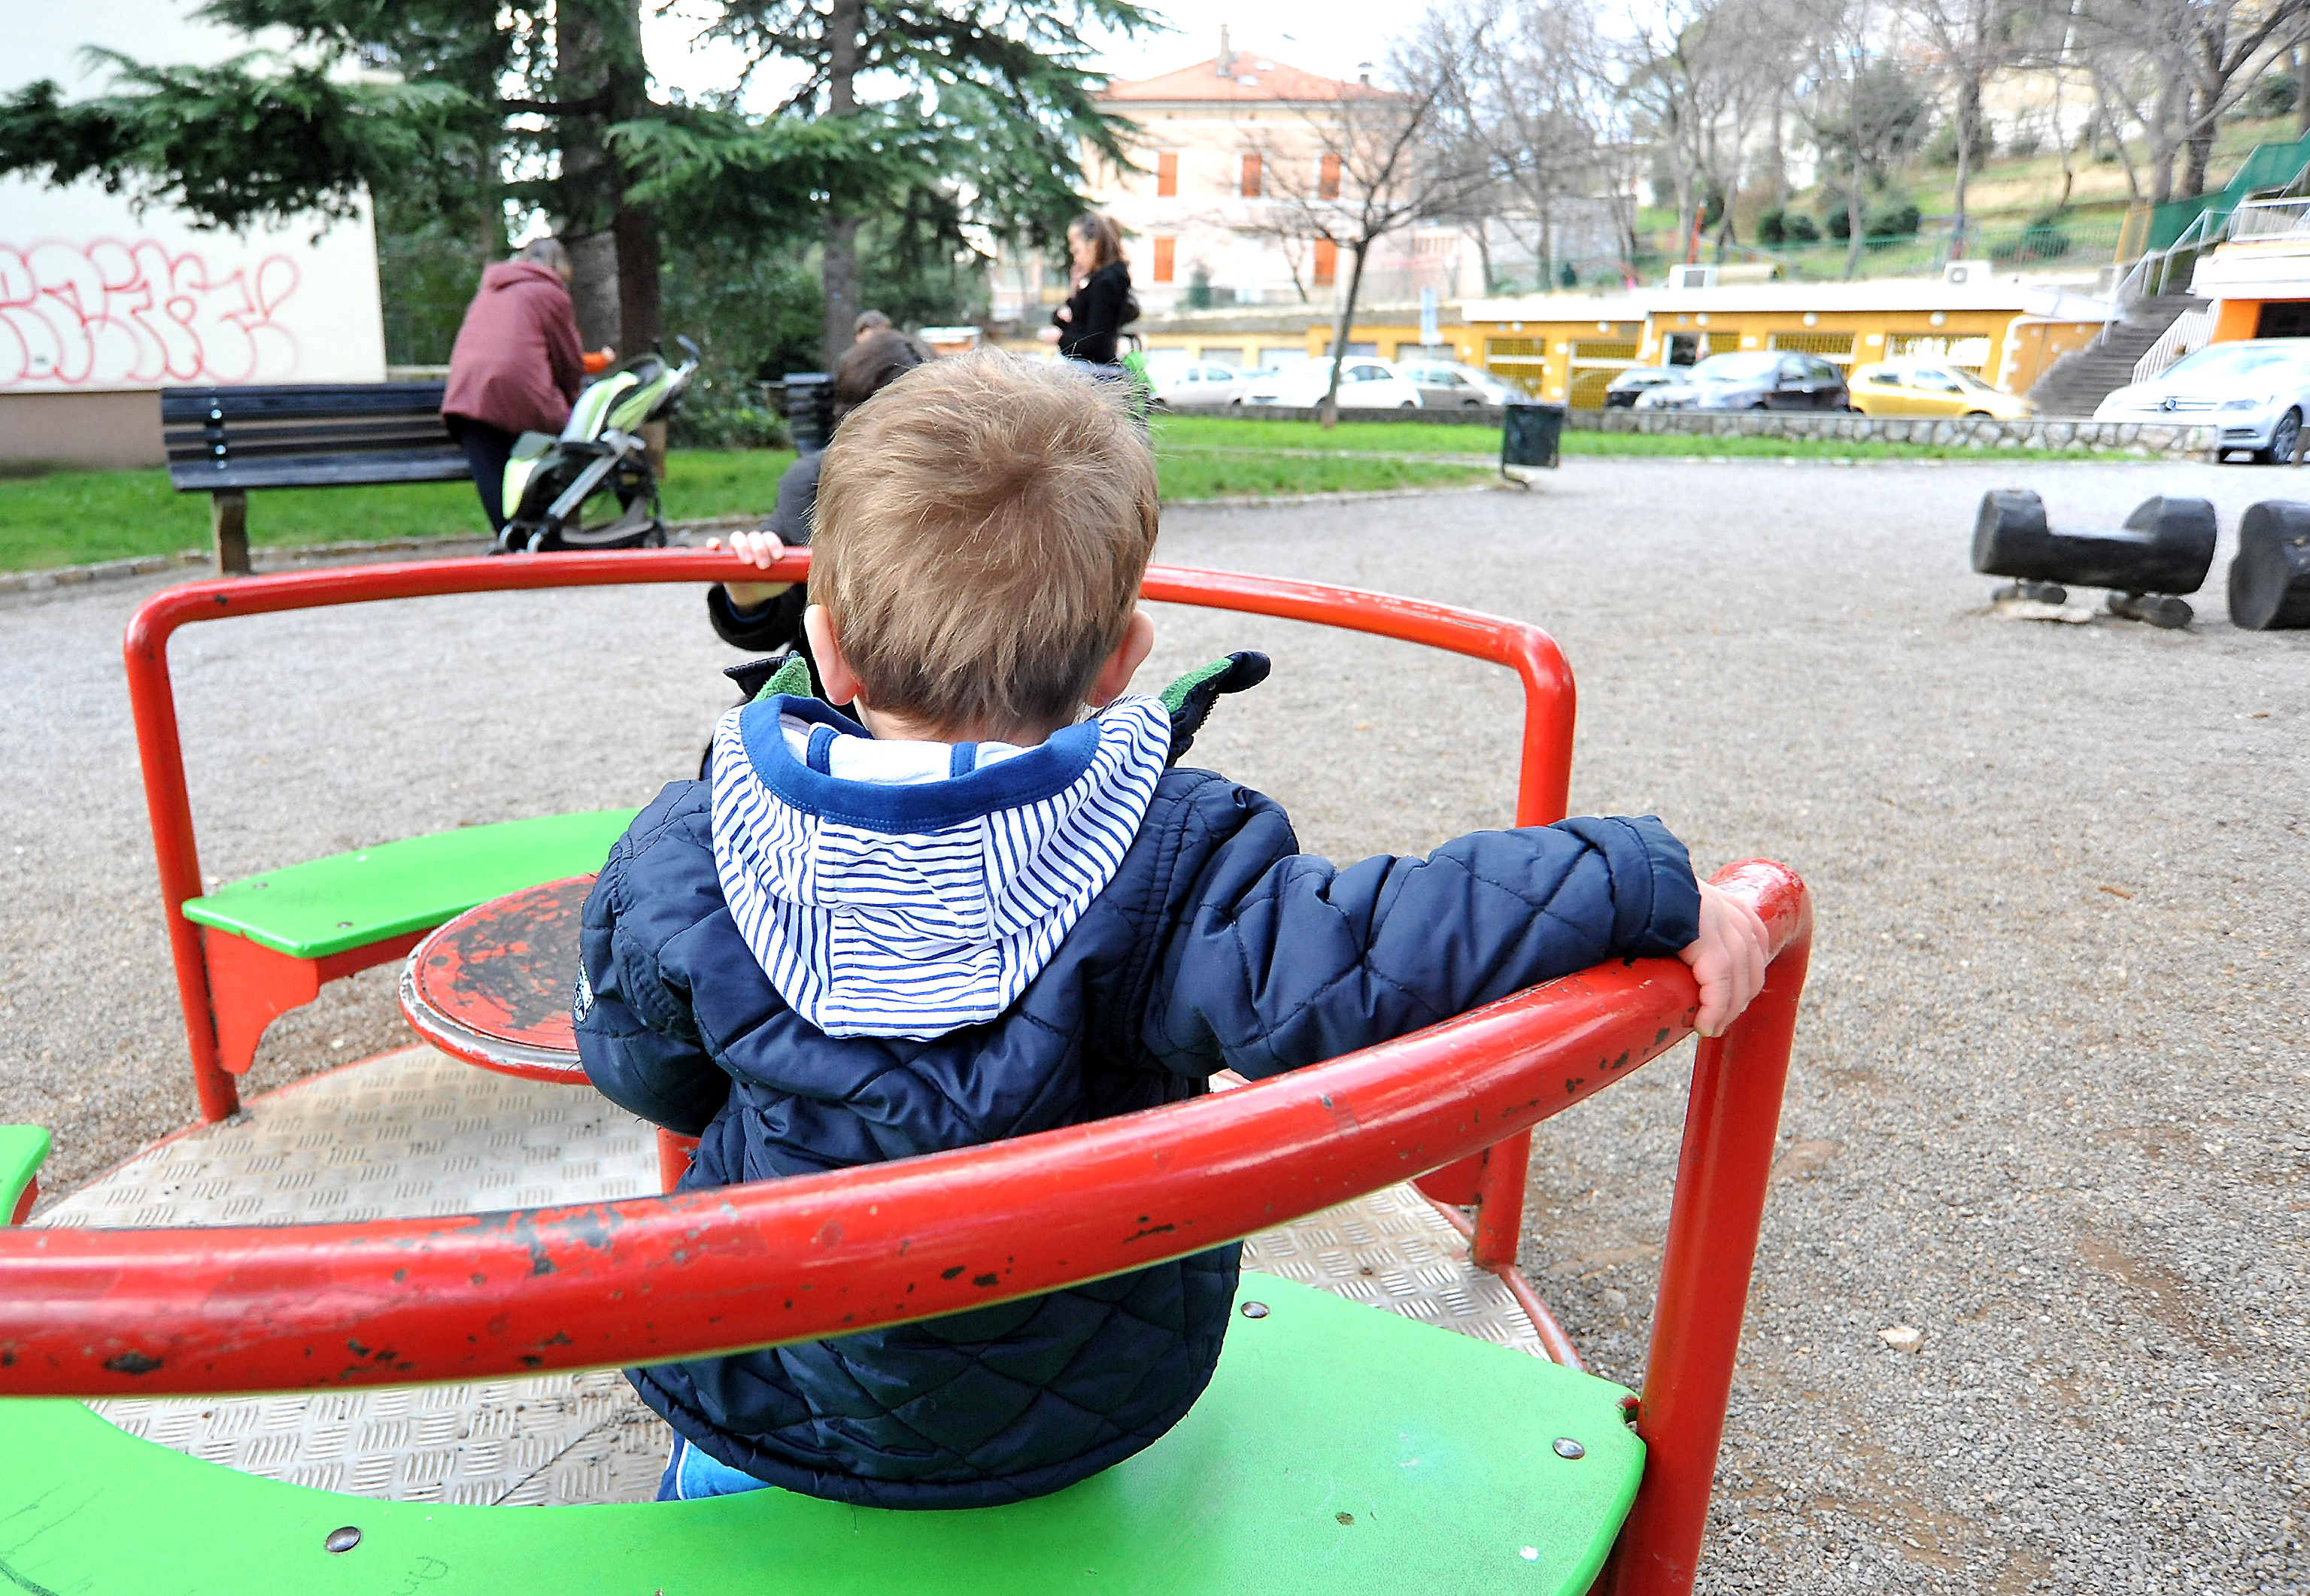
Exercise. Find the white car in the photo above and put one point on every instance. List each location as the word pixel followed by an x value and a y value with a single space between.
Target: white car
pixel 2255 391
pixel 1184 384
pixel 1365 383
pixel 1453 387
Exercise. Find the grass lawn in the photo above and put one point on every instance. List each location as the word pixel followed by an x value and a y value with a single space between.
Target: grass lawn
pixel 72 517
pixel 1179 438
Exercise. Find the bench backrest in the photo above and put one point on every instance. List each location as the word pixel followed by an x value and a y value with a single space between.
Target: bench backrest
pixel 307 436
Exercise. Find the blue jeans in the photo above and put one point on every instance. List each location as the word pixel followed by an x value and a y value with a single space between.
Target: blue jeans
pixel 691 1476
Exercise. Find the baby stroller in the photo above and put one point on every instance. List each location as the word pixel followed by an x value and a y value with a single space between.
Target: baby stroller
pixel 599 460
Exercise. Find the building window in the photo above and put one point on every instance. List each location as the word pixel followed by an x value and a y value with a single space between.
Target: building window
pixel 1249 185
pixel 1327 262
pixel 1328 177
pixel 1167 175
pixel 1166 259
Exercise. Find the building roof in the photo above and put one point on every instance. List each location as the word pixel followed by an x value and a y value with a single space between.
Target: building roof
pixel 1254 77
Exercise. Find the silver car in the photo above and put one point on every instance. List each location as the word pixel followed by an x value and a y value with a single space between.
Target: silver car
pixel 2255 392
pixel 1446 384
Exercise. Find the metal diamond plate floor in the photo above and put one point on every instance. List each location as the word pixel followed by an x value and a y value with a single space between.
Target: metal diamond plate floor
pixel 416 1132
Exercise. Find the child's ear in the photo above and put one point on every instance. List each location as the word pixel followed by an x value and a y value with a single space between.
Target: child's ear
pixel 833 671
pixel 1114 676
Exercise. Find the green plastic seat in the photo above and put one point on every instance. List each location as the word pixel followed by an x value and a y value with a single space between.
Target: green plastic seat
pixel 350 901
pixel 1339 1449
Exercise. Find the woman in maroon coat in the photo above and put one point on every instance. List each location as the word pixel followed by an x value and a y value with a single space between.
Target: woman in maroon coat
pixel 517 365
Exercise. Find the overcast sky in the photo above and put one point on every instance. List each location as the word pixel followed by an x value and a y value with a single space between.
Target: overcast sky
pixel 1331 37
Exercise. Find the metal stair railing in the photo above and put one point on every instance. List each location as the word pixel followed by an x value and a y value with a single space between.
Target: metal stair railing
pixel 2189 333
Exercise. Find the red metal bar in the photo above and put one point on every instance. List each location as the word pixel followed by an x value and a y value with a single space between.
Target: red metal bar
pixel 25 1198
pixel 95 1312
pixel 1552 1339
pixel 1550 702
pixel 1731 1121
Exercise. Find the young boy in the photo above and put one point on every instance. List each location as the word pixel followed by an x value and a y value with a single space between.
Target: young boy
pixel 976 917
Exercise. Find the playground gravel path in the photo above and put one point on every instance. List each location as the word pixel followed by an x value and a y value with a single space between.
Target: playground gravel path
pixel 2051 1102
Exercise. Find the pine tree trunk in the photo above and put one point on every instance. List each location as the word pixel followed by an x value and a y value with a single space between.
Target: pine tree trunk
pixel 838 259
pixel 1969 139
pixel 1328 413
pixel 613 245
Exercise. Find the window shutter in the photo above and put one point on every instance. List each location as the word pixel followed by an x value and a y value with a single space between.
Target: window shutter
pixel 1167 175
pixel 1166 254
pixel 1327 183
pixel 1328 261
pixel 1252 189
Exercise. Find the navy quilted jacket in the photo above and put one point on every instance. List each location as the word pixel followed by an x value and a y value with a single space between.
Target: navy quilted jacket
pixel 1214 943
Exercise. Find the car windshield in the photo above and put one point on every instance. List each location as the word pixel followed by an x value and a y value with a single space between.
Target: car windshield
pixel 1755 368
pixel 2238 360
pixel 1966 380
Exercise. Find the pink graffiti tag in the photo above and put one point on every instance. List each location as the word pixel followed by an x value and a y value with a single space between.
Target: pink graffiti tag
pixel 115 313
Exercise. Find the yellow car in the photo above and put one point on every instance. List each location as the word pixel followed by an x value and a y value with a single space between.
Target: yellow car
pixel 1920 386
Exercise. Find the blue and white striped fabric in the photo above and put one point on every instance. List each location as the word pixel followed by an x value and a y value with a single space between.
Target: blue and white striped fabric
pixel 926 898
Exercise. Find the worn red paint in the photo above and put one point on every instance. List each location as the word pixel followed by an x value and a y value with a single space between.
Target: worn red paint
pixel 493 985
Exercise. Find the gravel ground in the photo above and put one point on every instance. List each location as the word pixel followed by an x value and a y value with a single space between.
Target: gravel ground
pixel 2049 1103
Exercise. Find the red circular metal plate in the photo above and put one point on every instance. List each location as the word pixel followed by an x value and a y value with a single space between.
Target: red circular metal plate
pixel 493 985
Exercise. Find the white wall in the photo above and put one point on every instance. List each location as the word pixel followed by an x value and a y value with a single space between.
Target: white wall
pixel 95 298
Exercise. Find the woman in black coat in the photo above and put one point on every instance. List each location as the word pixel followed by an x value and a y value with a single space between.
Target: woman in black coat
pixel 1102 304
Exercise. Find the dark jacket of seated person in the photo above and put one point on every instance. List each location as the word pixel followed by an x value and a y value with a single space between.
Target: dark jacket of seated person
pixel 731 989
pixel 867 366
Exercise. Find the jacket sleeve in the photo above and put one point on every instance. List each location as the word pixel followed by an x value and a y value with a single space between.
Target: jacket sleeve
pixel 1280 961
pixel 636 1034
pixel 562 351
pixel 776 625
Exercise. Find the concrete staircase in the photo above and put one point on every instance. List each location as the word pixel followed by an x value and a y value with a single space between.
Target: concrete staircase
pixel 2080 380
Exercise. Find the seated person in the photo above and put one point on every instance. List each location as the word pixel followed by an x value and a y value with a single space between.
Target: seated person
pixel 766 617
pixel 974 914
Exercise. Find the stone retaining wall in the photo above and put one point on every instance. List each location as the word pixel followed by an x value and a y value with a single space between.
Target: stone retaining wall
pixel 2167 440
pixel 2159 440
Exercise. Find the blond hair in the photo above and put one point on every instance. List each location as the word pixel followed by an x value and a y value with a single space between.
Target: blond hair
pixel 982 526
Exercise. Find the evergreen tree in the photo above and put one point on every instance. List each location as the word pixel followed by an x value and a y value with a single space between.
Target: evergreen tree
pixel 452 110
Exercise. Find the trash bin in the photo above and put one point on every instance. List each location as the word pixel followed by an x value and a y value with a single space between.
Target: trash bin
pixel 810 409
pixel 1529 437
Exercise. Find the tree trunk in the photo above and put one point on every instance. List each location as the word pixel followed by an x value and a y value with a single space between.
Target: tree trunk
pixel 838 259
pixel 1853 216
pixel 2161 142
pixel 612 245
pixel 2301 92
pixel 1328 413
pixel 1968 140
pixel 1484 255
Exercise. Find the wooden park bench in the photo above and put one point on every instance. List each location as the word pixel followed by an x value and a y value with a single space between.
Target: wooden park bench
pixel 226 441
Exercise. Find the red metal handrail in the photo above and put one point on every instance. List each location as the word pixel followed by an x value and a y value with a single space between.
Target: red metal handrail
pixel 108 1313
pixel 1543 781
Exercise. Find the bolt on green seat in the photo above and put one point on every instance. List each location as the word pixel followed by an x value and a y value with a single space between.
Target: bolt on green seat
pixel 1339 1449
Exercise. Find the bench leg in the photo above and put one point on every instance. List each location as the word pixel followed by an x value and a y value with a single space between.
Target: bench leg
pixel 229 521
pixel 250 986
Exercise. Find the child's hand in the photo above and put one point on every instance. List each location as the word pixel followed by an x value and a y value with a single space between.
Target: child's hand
pixel 1728 958
pixel 758 549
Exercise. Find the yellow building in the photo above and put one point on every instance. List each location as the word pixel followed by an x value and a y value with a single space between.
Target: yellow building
pixel 1568 346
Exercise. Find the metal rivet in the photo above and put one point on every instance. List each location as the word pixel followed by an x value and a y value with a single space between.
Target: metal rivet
pixel 342 1541
pixel 1566 1446
pixel 1254 1310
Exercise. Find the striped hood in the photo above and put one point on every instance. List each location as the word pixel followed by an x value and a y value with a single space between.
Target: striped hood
pixel 907 889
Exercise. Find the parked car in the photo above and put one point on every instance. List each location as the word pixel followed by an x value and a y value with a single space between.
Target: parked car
pixel 1365 383
pixel 1187 385
pixel 1753 379
pixel 2255 391
pixel 1920 386
pixel 1450 385
pixel 1621 392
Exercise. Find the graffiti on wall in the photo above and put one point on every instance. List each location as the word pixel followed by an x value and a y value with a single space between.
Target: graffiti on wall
pixel 114 314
